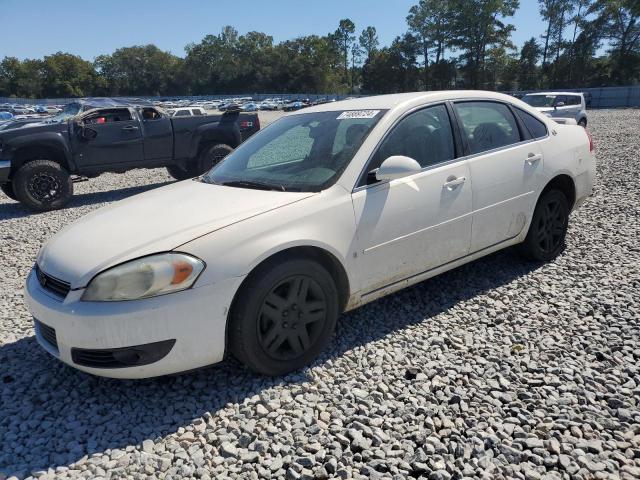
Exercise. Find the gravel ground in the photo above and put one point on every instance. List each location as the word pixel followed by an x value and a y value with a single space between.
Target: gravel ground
pixel 498 369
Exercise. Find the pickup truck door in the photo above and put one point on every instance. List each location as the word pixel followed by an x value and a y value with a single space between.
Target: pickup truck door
pixel 157 135
pixel 117 140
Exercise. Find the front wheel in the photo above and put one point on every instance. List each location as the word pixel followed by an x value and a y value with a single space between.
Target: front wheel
pixel 7 189
pixel 548 230
pixel 43 185
pixel 283 316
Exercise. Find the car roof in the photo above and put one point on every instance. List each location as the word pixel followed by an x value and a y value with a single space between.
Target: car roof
pixel 555 93
pixel 387 102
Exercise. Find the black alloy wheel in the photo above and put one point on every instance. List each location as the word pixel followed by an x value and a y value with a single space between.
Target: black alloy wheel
pixel 292 317
pixel 548 230
pixel 43 185
pixel 283 315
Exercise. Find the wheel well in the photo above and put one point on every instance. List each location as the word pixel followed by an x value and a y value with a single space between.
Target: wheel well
pixel 37 152
pixel 324 258
pixel 565 184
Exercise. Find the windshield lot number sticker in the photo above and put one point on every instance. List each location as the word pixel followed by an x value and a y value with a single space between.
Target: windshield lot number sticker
pixel 358 114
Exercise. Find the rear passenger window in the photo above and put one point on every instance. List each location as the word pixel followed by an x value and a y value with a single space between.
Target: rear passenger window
pixel 197 111
pixel 537 128
pixel 487 125
pixel 573 100
pixel 425 136
pixel 183 113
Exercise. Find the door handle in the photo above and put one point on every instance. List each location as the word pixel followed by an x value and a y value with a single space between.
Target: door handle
pixel 533 158
pixel 130 128
pixel 453 182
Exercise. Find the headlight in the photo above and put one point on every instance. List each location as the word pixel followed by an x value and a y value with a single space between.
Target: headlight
pixel 145 277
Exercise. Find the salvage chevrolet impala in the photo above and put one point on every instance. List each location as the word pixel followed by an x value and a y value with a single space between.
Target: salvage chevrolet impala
pixel 325 210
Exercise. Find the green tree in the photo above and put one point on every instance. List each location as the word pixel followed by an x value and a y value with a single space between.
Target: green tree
pixel 344 38
pixel 478 25
pixel 528 70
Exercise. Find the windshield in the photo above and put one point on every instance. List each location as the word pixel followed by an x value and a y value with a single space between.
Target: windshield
pixel 303 153
pixel 68 111
pixel 540 100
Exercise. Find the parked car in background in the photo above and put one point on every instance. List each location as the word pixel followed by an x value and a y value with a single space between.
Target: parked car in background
pixel 91 137
pixel 326 210
pixel 560 105
pixel 249 107
pixel 293 106
pixel 4 116
pixel 185 112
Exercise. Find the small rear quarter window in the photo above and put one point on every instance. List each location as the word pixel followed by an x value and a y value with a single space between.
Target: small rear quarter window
pixel 537 128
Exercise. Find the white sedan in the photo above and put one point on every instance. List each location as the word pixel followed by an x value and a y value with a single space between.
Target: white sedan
pixel 323 211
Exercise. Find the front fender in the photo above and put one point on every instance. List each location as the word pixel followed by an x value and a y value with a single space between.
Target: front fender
pixel 57 141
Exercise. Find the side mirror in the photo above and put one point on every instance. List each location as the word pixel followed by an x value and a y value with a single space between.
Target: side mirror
pixel 559 104
pixel 397 166
pixel 88 133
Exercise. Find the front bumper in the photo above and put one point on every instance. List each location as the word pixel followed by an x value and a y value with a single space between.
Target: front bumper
pixel 5 169
pixel 195 319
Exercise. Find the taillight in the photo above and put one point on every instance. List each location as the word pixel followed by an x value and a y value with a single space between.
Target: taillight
pixel 245 124
pixel 257 122
pixel 591 145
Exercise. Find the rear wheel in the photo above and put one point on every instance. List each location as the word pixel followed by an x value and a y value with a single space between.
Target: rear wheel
pixel 547 232
pixel 43 185
pixel 583 122
pixel 284 316
pixel 7 189
pixel 208 158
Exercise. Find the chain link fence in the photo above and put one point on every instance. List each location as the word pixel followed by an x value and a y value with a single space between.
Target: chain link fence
pixel 604 97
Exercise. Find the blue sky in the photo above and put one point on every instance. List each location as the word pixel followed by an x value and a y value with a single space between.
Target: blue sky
pixel 34 28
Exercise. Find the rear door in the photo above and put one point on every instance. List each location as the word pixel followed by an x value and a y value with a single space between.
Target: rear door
pixel 506 166
pixel 117 142
pixel 157 134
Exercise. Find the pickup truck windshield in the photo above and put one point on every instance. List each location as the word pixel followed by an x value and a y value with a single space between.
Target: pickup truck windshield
pixel 70 110
pixel 304 153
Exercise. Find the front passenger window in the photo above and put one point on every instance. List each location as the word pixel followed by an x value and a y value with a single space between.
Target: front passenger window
pixel 487 125
pixel 424 135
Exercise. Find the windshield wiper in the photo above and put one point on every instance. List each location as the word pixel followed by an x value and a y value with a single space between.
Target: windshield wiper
pixel 254 185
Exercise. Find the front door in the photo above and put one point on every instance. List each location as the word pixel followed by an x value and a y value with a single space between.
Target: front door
pixel 414 224
pixel 117 140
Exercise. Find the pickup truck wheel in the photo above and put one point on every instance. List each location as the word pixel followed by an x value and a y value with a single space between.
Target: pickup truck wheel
pixel 209 157
pixel 283 316
pixel 43 185
pixel 7 189
pixel 213 155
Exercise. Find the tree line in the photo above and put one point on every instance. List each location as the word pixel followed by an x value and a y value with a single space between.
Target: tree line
pixel 447 44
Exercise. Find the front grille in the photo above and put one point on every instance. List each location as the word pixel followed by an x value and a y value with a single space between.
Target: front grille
pixel 52 284
pixel 47 333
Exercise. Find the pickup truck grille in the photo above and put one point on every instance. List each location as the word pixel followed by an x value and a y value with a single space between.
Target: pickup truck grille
pixel 52 284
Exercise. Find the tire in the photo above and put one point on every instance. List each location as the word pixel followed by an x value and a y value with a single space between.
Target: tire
pixel 274 328
pixel 545 239
pixel 208 158
pixel 583 122
pixel 43 185
pixel 7 189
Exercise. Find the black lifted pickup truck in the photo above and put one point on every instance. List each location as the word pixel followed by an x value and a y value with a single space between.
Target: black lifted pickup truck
pixel 40 161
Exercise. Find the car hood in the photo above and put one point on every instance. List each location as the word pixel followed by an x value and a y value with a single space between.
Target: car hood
pixel 156 221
